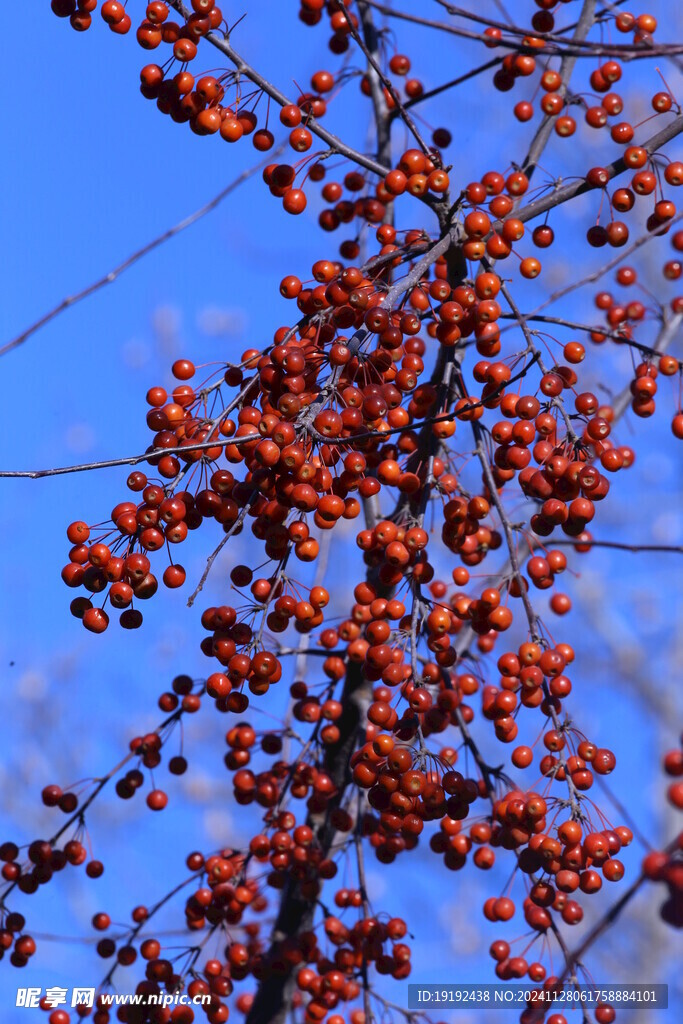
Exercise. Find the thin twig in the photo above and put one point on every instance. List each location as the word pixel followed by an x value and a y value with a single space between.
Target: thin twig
pixel 130 261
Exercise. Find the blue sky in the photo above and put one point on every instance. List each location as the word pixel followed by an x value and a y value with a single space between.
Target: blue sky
pixel 90 173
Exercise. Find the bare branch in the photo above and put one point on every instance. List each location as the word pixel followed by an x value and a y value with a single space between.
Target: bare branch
pixel 637 549
pixel 130 261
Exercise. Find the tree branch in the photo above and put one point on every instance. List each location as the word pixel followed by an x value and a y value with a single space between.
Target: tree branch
pixel 130 261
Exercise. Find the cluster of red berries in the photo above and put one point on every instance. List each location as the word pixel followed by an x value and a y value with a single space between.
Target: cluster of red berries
pixel 621 315
pixel 200 103
pixel 623 200
pixel 371 206
pixel 223 899
pixel 292 851
pixel 120 570
pixel 554 100
pixel 667 865
pixel 291 447
pixel 12 935
pixel 416 174
pixel 153 29
pixel 336 413
pixel 44 860
pixel 343 22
